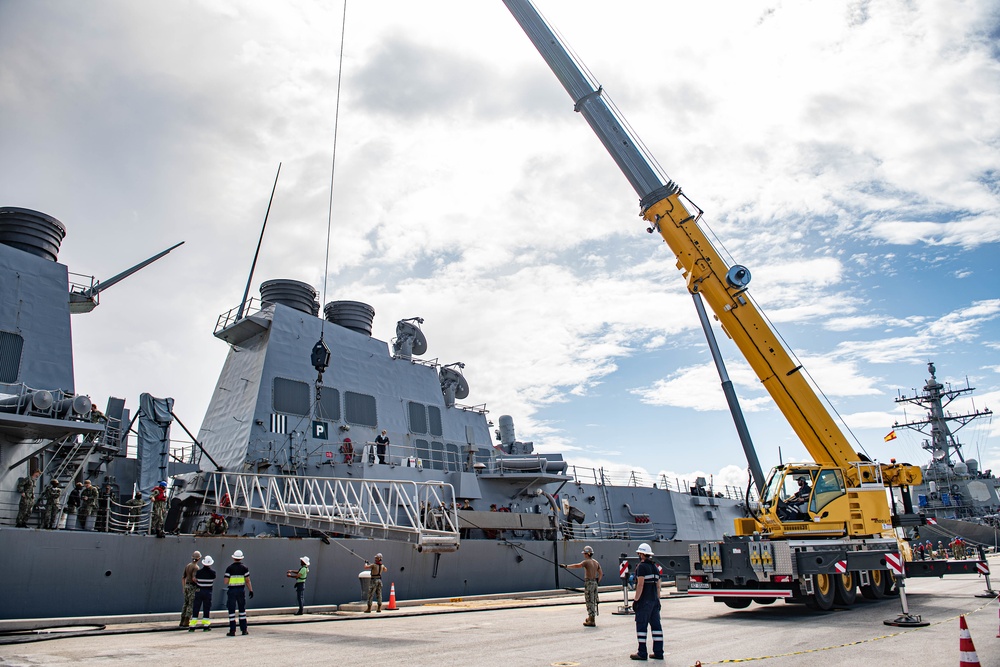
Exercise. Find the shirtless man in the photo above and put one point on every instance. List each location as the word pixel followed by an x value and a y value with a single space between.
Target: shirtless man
pixel 592 579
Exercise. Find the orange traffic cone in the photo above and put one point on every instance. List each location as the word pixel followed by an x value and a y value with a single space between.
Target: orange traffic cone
pixel 966 649
pixel 392 597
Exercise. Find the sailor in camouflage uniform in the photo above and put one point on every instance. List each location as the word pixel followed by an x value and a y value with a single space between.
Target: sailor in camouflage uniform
pixel 88 504
pixel 159 498
pixel 51 495
pixel 26 489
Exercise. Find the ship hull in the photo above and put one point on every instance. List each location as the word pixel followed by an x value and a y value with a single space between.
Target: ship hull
pixel 71 573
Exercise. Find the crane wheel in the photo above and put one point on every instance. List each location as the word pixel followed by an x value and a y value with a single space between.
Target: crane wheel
pixel 877 580
pixel 824 591
pixel 845 588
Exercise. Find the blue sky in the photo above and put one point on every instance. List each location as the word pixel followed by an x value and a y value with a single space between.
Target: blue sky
pixel 846 152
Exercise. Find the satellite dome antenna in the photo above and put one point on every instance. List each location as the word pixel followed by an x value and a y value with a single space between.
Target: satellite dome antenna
pixel 320 352
pixel 453 383
pixel 410 340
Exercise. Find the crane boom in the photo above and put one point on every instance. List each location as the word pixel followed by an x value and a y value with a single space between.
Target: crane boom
pixel 668 211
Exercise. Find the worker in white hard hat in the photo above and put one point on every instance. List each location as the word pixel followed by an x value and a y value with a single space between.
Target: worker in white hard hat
pixel 237 579
pixel 300 582
pixel 646 604
pixel 375 584
pixel 592 575
pixel 189 588
pixel 205 579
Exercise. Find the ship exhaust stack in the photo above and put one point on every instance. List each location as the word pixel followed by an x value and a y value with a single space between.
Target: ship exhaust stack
pixel 33 232
pixel 352 315
pixel 295 294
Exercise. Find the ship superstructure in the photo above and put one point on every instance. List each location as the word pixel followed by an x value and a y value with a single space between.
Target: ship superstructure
pixel 456 503
pixel 954 486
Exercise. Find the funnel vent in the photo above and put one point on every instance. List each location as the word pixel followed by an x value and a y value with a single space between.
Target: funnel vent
pixel 352 315
pixel 292 293
pixel 33 232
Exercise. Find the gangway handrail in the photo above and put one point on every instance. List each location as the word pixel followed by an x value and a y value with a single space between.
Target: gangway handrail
pixel 423 513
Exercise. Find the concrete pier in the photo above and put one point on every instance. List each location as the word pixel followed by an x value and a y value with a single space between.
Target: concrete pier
pixel 544 629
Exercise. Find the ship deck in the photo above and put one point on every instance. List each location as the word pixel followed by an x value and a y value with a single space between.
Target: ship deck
pixel 544 629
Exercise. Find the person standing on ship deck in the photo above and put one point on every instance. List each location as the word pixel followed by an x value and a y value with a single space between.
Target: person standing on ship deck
pixel 237 579
pixel 50 519
pixel 159 513
pixel 88 505
pixel 646 604
pixel 26 491
pixel 592 580
pixel 381 446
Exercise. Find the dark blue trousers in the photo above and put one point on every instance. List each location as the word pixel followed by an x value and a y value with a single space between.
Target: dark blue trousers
pixel 647 613
pixel 237 598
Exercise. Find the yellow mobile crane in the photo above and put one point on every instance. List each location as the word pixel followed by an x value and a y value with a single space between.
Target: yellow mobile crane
pixel 821 529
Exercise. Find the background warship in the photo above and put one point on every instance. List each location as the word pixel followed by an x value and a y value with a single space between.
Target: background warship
pixel 285 457
pixel 955 491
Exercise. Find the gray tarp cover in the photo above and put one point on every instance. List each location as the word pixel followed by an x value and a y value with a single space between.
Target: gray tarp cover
pixel 154 440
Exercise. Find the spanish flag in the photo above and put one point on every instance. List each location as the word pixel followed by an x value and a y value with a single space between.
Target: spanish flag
pixel 891 436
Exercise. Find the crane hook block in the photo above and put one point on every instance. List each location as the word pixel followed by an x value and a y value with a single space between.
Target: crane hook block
pixel 320 356
pixel 738 276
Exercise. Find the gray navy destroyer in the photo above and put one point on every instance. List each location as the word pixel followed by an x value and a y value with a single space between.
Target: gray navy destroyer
pixel 954 488
pixel 286 465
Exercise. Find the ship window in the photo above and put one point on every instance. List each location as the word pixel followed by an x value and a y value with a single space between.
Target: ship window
pixel 437 455
pixel 360 409
pixel 423 452
pixel 483 455
pixel 451 457
pixel 328 408
pixel 829 486
pixel 434 417
pixel 11 345
pixel 290 396
pixel 418 418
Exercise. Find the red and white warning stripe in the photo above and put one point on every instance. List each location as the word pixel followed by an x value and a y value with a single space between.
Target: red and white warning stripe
pixel 982 567
pixel 840 566
pixel 931 521
pixel 895 563
pixel 623 569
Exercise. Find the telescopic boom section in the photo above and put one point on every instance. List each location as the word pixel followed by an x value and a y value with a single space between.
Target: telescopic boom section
pixel 663 205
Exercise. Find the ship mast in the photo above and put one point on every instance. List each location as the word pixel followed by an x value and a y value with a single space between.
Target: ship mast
pixel 936 425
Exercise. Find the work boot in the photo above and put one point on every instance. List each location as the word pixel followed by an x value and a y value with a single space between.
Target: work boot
pixel 637 656
pixel 379 610
pixel 230 634
pixel 590 622
pixel 656 657
pixel 369 610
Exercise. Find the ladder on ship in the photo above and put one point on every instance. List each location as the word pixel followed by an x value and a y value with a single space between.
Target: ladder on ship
pixel 421 513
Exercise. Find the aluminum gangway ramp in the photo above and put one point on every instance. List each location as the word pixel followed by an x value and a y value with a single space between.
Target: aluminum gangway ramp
pixel 422 513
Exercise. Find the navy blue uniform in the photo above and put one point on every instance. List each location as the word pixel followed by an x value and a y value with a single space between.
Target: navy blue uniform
pixel 237 574
pixel 204 579
pixel 647 609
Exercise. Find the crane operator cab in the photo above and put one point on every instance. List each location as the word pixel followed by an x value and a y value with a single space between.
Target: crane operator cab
pixel 800 493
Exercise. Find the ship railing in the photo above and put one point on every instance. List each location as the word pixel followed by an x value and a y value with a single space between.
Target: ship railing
pixel 236 313
pixel 604 530
pixel 422 513
pixel 637 478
